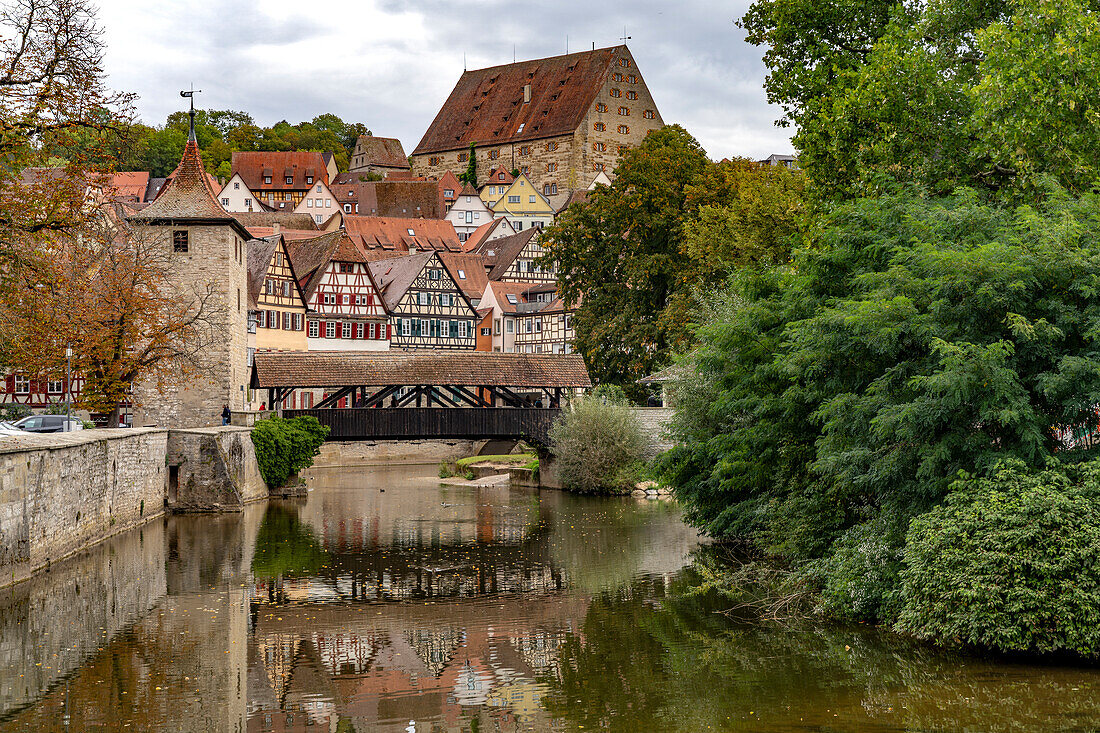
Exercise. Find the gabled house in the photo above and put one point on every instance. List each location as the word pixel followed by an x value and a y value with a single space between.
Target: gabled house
pixel 449 186
pixel 280 178
pixel 495 185
pixel 378 155
pixel 523 206
pixel 276 303
pixel 346 311
pixel 319 203
pixel 516 258
pixel 528 318
pixel 468 213
pixel 488 232
pixel 469 272
pixel 400 198
pixel 235 196
pixel 427 307
pixel 387 237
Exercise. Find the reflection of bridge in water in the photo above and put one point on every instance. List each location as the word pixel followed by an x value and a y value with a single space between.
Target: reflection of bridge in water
pixel 392 395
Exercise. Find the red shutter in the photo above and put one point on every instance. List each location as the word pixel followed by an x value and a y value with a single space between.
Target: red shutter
pixel 389 332
pixel 321 329
pixel 339 330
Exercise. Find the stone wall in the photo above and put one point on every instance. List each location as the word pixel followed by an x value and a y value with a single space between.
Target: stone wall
pixel 376 453
pixel 655 422
pixel 60 493
pixel 212 469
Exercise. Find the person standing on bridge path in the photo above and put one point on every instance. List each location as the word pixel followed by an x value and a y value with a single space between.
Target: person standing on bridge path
pixel 226 415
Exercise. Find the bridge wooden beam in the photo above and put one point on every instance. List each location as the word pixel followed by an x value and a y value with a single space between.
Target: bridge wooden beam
pixel 472 398
pixel 378 397
pixel 333 398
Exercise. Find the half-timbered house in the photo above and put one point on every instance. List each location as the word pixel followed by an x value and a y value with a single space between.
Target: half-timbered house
pixel 516 258
pixel 528 318
pixel 428 309
pixel 277 305
pixel 346 311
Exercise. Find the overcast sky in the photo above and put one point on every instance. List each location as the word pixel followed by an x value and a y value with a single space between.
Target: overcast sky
pixel 390 63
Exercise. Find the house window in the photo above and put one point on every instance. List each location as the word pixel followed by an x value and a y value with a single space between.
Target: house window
pixel 411 232
pixel 330 330
pixel 422 298
pixel 551 147
pixel 528 327
pixel 648 114
pixel 597 166
pixel 551 167
pixel 345 267
pixel 530 199
pixel 445 300
pixel 510 325
pixel 615 93
pixel 309 203
pixel 343 300
pixel 434 160
pixel 525 170
pixel 513 199
pixel 314 329
pixel 55 386
pixel 289 180
pixel 347 208
pixel 601 107
pixel 309 180
pixel 406 327
pixel 524 149
pixel 500 176
pixel 617 76
pixel 624 63
pixel 318 217
pixel 624 130
pixel 553 189
pixel 179 241
pixel 359 328
pixel 225 202
pixel 267 180
pixel 631 95
pixel 632 79
pixel 370 330
pixel 494 154
pixel 236 185
pixel 462 329
pixel 425 327
pixel 600 127
pixel 598 147
pixel 461 274
pixel 248 203
pixel 624 111
pixel 22 384
pixel 463 157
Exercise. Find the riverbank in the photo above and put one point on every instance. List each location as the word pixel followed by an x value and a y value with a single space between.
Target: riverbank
pixel 62 493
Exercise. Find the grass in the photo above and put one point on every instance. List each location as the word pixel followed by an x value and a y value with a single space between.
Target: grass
pixel 523 458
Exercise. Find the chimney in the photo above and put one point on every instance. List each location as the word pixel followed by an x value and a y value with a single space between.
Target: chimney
pixel 276 228
pixel 526 93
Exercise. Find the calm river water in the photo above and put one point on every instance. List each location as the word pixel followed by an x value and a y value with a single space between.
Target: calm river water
pixel 384 602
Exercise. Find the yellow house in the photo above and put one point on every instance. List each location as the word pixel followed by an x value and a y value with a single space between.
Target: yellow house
pixel 523 206
pixel 277 307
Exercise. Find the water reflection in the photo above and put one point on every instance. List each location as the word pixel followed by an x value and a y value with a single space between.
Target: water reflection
pixel 382 602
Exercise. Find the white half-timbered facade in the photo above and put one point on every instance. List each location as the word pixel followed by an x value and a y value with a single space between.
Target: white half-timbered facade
pixel 346 310
pixel 277 304
pixel 528 318
pixel 427 307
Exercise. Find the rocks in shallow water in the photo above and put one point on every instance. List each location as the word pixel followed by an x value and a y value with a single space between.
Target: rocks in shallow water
pixel 637 492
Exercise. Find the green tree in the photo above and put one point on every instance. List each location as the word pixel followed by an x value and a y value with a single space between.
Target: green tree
pixel 911 338
pixel 620 259
pixel 469 175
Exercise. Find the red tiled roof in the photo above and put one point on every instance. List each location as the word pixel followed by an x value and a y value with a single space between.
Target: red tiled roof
pixel 486 106
pixel 288 234
pixel 381 151
pixel 449 182
pixel 503 251
pixel 483 232
pixel 129 184
pixel 389 233
pixel 311 257
pixel 393 276
pixel 188 193
pixel 470 265
pixel 400 368
pixel 407 199
pixel 285 219
pixel 495 177
pixel 253 166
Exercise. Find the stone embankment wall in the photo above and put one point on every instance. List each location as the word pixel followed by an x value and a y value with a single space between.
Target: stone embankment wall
pixel 60 493
pixel 385 453
pixel 655 422
pixel 212 469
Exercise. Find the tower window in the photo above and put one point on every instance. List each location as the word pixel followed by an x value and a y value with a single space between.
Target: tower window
pixel 179 241
pixel 648 114
pixel 600 127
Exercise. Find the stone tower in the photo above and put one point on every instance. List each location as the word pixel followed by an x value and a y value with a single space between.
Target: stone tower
pixel 208 251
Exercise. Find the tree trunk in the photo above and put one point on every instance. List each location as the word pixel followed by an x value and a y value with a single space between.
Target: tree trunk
pixel 113 417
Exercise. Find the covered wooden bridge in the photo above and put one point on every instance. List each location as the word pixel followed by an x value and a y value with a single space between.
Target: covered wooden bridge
pixel 396 395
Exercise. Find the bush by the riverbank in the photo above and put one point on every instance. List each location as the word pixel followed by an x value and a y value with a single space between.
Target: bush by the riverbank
pixel 1010 562
pixel 284 447
pixel 598 445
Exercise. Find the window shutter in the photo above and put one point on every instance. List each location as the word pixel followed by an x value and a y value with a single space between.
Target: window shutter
pixel 339 330
pixel 389 331
pixel 321 329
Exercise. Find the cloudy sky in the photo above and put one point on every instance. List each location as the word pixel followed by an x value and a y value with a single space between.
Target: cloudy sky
pixel 391 63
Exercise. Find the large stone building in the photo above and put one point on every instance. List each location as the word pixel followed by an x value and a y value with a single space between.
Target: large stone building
pixel 209 255
pixel 558 120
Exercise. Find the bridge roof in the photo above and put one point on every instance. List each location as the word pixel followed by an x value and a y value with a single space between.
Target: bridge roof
pixel 409 368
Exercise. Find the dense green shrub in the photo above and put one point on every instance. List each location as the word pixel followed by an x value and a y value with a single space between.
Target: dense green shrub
pixel 1011 562
pixel 596 442
pixel 284 447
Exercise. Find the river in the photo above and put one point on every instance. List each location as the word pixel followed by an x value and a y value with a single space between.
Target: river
pixel 385 602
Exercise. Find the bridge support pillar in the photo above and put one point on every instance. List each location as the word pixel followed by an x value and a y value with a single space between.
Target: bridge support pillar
pixel 548 471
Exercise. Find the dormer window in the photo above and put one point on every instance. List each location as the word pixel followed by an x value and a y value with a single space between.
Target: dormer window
pixel 267 180
pixel 521 126
pixel 461 274
pixel 411 232
pixel 309 180
pixel 500 176
pixel 512 299
pixel 289 180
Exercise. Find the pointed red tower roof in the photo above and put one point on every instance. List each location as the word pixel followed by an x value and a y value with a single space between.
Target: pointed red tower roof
pixel 188 195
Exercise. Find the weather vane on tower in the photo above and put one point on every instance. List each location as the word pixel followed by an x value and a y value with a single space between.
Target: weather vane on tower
pixel 191 95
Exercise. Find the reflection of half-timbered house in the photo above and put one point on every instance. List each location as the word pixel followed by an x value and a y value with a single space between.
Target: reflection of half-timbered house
pixel 276 302
pixel 346 312
pixel 428 309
